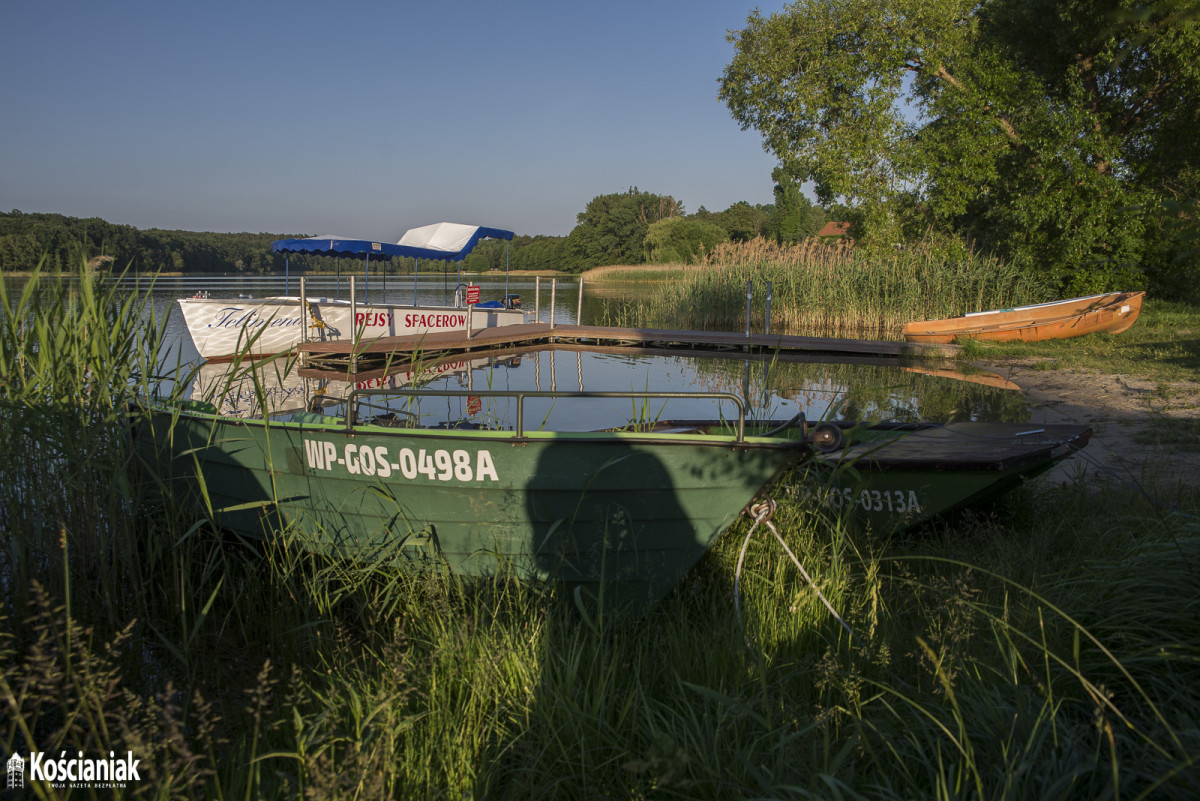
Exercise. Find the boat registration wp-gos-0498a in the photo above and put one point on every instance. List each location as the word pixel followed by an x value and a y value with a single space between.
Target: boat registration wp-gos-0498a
pixel 376 462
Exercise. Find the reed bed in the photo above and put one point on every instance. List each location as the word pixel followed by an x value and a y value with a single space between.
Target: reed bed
pixel 638 273
pixel 1046 650
pixel 837 289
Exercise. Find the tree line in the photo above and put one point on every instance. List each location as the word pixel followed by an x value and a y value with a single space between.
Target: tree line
pixel 631 227
pixel 61 243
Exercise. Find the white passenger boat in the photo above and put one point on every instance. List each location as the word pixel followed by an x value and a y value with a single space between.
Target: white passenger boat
pixel 223 327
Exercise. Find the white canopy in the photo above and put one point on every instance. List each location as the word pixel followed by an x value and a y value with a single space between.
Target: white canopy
pixel 447 236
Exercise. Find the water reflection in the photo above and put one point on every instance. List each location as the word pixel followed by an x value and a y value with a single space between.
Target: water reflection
pixel 772 389
pixel 854 389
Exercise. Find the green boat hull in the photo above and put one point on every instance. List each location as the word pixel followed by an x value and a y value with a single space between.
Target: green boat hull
pixel 625 514
pixel 896 477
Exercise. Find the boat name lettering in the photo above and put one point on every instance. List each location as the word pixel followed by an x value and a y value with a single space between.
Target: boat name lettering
pixel 374 383
pixel 375 461
pixel 437 369
pixel 435 320
pixel 874 500
pixel 374 318
pixel 240 317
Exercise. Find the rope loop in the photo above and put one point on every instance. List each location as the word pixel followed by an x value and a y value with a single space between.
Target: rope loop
pixel 763 512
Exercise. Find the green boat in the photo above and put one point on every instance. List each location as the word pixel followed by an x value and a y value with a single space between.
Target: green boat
pixel 894 476
pixel 624 513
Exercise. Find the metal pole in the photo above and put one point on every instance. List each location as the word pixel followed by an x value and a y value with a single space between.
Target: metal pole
pixel 303 311
pixel 470 318
pixel 353 307
pixel 579 305
pixel 353 328
pixel 416 262
pixel 767 325
pixel 553 287
pixel 749 295
pixel 287 273
pixel 367 278
pixel 537 299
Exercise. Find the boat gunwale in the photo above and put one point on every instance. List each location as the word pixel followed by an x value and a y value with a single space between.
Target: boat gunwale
pixel 338 426
pixel 1012 323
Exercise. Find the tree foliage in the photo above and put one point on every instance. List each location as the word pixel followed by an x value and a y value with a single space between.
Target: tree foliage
pixel 62 243
pixel 1046 130
pixel 680 240
pixel 612 228
pixel 794 217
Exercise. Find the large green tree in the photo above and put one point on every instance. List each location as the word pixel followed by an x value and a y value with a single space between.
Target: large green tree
pixel 612 228
pixel 794 216
pixel 1047 130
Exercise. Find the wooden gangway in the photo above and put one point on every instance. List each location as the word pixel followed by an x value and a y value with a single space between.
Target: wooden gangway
pixel 369 353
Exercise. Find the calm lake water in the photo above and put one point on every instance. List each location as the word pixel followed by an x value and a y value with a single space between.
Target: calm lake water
pixel 770 389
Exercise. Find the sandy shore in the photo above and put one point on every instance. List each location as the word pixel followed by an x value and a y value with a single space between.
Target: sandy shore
pixel 1136 424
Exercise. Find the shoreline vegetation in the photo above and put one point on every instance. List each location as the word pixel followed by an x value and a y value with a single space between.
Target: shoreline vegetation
pixel 1043 648
pixel 827 289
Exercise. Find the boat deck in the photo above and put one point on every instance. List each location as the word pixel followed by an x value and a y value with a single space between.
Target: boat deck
pixel 970 446
pixel 367 353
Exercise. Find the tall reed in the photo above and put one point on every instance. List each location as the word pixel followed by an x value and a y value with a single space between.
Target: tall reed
pixel 836 289
pixel 73 354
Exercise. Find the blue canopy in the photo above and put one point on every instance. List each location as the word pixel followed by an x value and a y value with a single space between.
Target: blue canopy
pixel 441 241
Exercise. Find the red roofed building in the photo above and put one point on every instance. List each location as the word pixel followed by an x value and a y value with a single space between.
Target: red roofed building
pixel 834 229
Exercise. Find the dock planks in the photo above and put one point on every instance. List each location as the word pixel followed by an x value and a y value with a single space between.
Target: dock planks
pixel 368 352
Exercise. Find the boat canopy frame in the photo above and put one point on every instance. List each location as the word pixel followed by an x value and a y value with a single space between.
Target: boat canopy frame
pixel 366 249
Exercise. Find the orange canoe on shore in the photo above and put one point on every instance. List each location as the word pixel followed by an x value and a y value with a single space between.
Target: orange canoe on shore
pixel 1113 313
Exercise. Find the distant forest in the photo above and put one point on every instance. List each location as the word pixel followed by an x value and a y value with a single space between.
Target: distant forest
pixel 631 227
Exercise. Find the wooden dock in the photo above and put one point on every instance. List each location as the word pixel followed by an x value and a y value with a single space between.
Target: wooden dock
pixel 369 354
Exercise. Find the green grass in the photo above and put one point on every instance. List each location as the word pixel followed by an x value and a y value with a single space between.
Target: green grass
pixel 1046 648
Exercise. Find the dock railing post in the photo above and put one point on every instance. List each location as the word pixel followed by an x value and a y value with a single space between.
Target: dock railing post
pixel 553 287
pixel 749 295
pixel 303 321
pixel 579 305
pixel 767 324
pixel 470 318
pixel 353 327
pixel 303 311
pixel 537 299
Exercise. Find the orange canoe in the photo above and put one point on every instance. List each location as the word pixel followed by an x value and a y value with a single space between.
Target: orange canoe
pixel 1113 313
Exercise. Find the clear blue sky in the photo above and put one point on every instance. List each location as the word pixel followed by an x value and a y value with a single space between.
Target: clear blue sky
pixel 368 118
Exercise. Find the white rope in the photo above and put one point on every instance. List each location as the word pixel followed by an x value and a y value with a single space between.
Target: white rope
pixel 762 513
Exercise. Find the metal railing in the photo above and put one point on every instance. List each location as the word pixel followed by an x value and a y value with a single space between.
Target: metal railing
pixel 521 395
